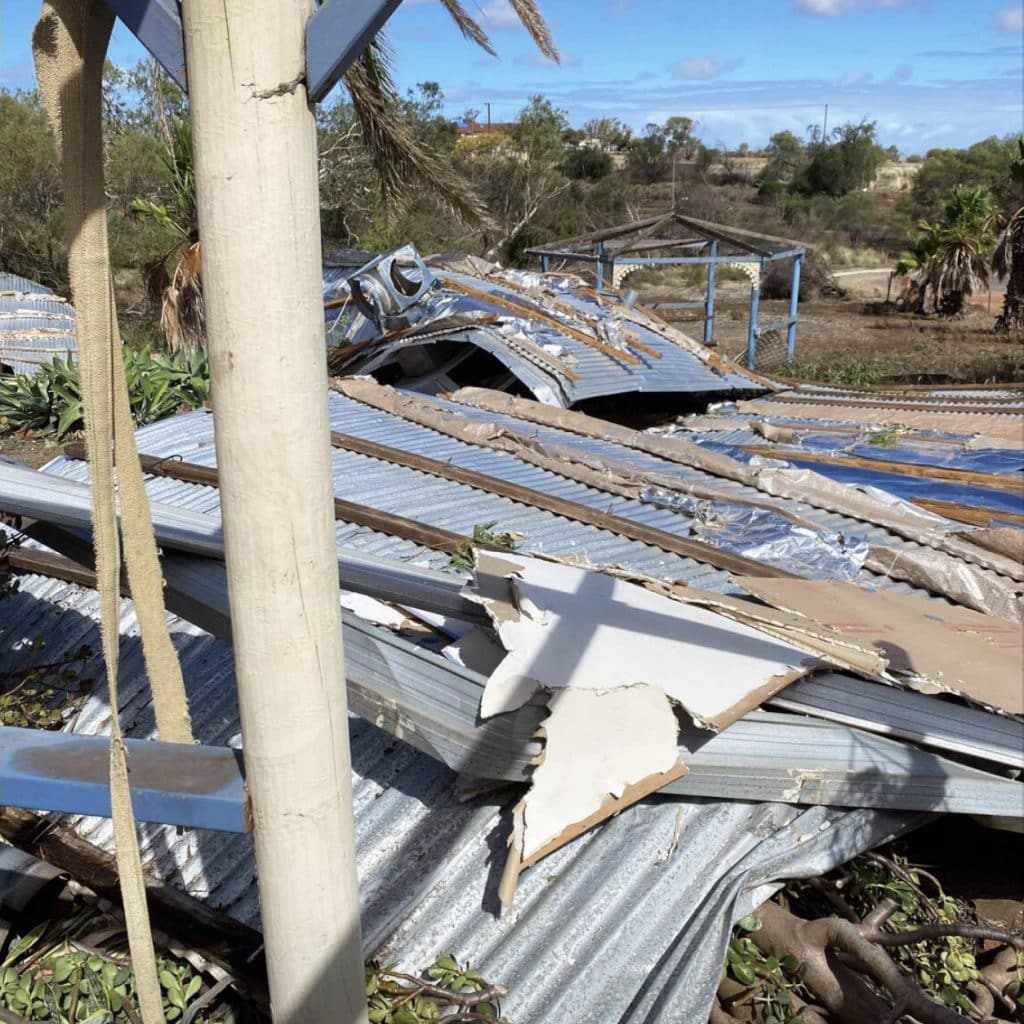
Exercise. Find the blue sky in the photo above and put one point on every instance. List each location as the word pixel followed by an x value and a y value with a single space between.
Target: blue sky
pixel 930 72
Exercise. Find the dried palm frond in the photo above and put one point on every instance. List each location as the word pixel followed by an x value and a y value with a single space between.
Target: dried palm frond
pixel 183 313
pixel 534 23
pixel 1010 245
pixel 467 26
pixel 400 160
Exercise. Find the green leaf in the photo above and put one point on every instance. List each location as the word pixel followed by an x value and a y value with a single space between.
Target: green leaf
pixel 750 923
pixel 25 943
pixel 743 973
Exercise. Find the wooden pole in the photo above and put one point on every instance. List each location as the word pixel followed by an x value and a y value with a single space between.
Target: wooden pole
pixel 256 176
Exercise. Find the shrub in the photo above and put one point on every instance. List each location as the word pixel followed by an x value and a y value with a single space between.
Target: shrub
pixel 159 385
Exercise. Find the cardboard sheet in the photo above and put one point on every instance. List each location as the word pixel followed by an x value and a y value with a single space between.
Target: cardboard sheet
pixel 931 644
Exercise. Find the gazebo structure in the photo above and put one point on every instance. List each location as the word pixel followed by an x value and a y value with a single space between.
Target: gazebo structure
pixel 673 239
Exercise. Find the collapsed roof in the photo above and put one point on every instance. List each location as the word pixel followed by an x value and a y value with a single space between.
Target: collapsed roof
pixel 434 325
pixel 35 325
pixel 694 530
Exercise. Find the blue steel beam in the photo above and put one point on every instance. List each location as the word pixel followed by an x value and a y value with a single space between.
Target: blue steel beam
pixel 794 299
pixel 171 783
pixel 709 298
pixel 336 34
pixel 157 25
pixel 753 331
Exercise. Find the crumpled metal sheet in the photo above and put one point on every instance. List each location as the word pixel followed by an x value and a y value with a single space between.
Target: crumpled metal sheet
pixel 36 325
pixel 558 366
pixel 767 536
pixel 889 479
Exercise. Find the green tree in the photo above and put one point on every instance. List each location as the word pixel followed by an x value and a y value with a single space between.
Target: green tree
pixel 649 156
pixel 680 136
pixel 849 162
pixel 31 202
pixel 987 163
pixel 1008 255
pixel 520 180
pixel 950 257
pixel 587 162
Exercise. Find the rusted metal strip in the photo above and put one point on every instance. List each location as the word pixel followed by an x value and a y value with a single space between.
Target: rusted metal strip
pixel 697 550
pixel 424 534
pixel 632 337
pixel 836 402
pixel 994 482
pixel 48 563
pixel 975 515
pixel 527 310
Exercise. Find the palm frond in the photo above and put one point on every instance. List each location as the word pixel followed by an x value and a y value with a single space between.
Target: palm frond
pixel 401 161
pixel 183 313
pixel 1009 246
pixel 534 23
pixel 468 26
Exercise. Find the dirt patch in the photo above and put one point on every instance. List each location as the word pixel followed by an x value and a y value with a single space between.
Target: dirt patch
pixel 32 451
pixel 909 348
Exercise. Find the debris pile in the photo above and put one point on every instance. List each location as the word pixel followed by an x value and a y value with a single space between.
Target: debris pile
pixel 550 619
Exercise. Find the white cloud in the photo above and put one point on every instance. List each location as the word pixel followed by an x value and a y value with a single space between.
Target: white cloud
pixel 902 74
pixel 823 8
pixel 498 14
pixel 1011 18
pixel 702 69
pixel 857 78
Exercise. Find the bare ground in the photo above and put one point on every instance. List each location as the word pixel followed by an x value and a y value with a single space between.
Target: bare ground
pixel 865 329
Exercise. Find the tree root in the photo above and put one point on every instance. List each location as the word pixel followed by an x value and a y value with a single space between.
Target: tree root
pixel 847 997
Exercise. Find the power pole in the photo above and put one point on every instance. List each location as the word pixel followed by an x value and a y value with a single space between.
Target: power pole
pixel 824 127
pixel 256 179
pixel 488 116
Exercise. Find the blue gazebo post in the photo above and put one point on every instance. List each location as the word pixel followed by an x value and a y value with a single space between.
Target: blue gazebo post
pixel 794 299
pixel 709 300
pixel 752 329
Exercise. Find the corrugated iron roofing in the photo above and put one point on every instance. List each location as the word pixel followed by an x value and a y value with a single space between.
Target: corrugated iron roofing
pixel 458 507
pixel 35 325
pixel 628 923
pixel 673 370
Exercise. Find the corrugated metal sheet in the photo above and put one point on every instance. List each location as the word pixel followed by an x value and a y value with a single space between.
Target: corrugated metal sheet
pixel 459 508
pixel 1003 424
pixel 673 368
pixel 35 325
pixel 628 923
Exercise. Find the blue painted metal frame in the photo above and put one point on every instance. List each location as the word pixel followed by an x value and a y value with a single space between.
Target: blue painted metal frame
pixel 794 299
pixel 336 34
pixel 709 300
pixel 157 25
pixel 753 329
pixel 171 783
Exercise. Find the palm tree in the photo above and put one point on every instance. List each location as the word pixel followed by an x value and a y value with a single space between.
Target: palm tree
pixel 401 161
pixel 1008 255
pixel 951 257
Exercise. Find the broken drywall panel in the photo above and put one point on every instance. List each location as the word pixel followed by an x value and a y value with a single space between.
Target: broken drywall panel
pixel 603 751
pixel 837 650
pixel 567 627
pixel 371 610
pixel 929 643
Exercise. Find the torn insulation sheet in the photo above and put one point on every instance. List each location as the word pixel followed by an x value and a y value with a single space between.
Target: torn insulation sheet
pixel 932 646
